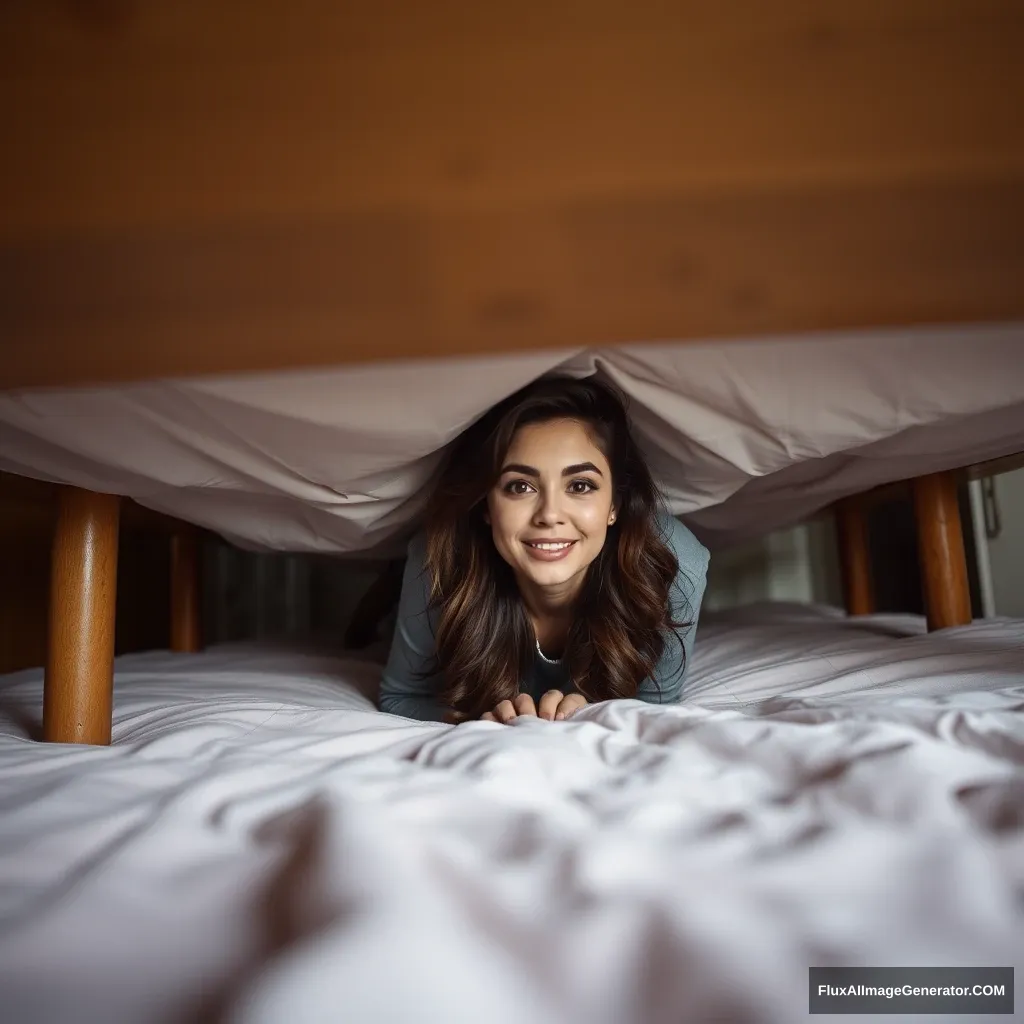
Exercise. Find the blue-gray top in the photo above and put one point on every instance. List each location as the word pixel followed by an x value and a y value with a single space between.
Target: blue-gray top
pixel 404 691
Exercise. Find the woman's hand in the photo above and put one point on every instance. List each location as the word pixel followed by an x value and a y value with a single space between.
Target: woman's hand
pixel 522 706
pixel 554 706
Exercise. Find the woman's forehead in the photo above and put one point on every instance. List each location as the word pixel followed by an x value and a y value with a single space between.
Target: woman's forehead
pixel 560 442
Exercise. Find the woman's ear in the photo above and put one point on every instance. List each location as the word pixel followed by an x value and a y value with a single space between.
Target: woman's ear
pixel 612 516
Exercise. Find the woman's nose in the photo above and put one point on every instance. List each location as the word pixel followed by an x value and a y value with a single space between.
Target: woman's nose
pixel 549 508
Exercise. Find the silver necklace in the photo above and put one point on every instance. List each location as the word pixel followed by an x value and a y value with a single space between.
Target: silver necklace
pixel 544 657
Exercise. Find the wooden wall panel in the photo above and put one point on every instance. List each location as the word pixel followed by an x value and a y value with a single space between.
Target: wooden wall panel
pixel 196 188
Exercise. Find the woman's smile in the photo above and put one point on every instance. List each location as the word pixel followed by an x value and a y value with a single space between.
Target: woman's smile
pixel 548 550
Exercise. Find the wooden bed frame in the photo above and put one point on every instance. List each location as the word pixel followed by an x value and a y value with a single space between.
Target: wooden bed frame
pixel 192 189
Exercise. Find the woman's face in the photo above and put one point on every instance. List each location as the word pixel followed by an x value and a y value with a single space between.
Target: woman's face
pixel 552 505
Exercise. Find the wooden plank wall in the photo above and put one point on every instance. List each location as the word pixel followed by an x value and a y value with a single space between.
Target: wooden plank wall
pixel 197 187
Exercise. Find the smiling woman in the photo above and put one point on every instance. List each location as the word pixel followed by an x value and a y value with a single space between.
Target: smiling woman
pixel 548 574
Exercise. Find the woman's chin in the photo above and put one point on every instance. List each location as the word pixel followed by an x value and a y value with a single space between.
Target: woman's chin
pixel 553 574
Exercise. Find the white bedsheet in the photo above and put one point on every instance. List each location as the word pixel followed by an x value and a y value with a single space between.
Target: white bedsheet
pixel 259 846
pixel 743 436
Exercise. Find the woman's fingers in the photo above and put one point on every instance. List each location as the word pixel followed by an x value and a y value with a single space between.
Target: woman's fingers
pixel 524 705
pixel 567 705
pixel 549 704
pixel 505 711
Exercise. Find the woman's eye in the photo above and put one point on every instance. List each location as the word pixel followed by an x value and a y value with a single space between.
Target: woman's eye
pixel 582 487
pixel 524 487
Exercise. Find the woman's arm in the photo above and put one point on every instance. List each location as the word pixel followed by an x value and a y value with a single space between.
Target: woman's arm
pixel 685 599
pixel 404 690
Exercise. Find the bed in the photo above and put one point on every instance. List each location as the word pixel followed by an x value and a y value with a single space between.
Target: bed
pixel 260 265
pixel 742 437
pixel 259 844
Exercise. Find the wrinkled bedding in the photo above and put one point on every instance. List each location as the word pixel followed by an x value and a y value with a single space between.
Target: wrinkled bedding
pixel 744 437
pixel 259 845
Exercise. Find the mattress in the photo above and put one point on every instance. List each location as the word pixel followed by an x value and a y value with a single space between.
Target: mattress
pixel 743 437
pixel 259 845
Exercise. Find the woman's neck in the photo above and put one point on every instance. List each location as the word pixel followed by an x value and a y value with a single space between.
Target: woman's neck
pixel 551 614
pixel 546 603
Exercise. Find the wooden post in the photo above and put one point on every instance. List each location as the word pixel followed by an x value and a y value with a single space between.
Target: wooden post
pixel 855 556
pixel 78 685
pixel 940 541
pixel 186 586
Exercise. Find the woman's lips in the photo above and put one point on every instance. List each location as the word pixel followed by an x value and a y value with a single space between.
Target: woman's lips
pixel 549 550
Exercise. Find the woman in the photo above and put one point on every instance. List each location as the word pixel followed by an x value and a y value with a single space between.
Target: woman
pixel 548 575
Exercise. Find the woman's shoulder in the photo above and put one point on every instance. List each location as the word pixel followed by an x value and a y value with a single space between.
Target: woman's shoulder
pixel 692 556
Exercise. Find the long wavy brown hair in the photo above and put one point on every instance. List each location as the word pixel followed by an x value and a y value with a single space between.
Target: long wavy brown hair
pixel 484 639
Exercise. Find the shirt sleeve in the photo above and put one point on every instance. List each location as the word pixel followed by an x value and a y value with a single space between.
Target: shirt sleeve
pixel 685 597
pixel 405 689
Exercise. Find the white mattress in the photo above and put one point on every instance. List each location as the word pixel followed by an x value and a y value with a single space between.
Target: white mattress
pixel 260 846
pixel 744 437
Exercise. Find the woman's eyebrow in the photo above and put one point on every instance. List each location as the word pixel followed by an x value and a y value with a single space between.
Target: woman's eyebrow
pixel 579 467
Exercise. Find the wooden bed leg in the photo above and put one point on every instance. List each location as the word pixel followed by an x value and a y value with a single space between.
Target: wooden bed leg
pixel 855 557
pixel 186 586
pixel 78 686
pixel 940 541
